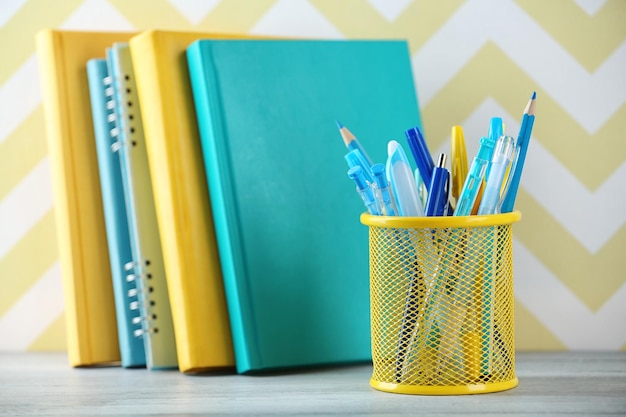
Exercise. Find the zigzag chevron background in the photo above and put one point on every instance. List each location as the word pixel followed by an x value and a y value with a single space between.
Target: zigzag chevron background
pixel 472 60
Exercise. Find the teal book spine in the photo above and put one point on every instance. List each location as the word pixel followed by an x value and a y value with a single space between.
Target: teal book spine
pixel 118 238
pixel 147 268
pixel 294 255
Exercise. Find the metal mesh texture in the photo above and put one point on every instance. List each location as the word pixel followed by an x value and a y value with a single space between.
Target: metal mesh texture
pixel 442 305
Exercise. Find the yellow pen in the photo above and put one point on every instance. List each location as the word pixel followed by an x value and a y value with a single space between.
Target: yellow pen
pixel 459 162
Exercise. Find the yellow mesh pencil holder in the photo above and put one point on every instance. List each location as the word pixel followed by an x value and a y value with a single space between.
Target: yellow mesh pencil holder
pixel 441 294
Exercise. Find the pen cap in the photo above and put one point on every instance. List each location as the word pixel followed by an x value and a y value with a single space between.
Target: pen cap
pixel 459 163
pixel 378 171
pixel 355 158
pixel 402 181
pixel 363 188
pixel 505 146
pixel 486 148
pixel 496 128
pixel 356 173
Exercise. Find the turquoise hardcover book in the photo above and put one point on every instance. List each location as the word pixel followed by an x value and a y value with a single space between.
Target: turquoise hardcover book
pixel 294 255
pixel 147 268
pixel 115 220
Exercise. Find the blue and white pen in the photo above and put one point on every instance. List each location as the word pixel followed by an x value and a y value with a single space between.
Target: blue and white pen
pixel 500 161
pixel 363 188
pixel 402 182
pixel 474 179
pixel 384 195
pixel 437 201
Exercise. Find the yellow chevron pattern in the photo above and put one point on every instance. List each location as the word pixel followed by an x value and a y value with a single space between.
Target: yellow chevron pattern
pixel 473 59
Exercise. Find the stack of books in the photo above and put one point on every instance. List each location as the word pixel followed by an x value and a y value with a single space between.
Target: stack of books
pixel 203 221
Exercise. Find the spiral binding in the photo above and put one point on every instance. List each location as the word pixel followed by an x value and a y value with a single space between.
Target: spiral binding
pixel 140 295
pixel 109 92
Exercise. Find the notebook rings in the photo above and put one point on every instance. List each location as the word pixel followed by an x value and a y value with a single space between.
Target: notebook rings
pixel 144 321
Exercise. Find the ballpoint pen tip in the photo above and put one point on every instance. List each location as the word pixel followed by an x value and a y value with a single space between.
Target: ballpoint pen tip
pixel 534 95
pixel 339 125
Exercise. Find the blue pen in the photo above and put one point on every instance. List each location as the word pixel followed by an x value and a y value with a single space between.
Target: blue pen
pixel 384 196
pixel 500 161
pixel 496 130
pixel 439 188
pixel 355 158
pixel 363 188
pixel 475 176
pixel 423 159
pixel 402 182
pixel 421 154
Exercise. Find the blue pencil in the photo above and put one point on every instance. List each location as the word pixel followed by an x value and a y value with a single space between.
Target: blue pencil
pixel 351 141
pixel 523 138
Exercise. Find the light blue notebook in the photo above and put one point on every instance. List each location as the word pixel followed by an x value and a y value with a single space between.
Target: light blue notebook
pixel 147 268
pixel 294 255
pixel 118 239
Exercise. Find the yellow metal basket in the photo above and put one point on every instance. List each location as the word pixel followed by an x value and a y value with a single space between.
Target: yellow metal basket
pixel 442 303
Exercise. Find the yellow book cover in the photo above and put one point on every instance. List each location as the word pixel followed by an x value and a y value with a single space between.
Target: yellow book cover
pixel 87 284
pixel 196 289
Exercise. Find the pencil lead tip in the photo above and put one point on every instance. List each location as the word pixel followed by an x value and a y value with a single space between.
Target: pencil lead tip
pixel 534 95
pixel 339 125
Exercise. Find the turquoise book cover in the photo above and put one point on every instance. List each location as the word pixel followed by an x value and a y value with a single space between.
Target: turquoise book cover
pixel 293 252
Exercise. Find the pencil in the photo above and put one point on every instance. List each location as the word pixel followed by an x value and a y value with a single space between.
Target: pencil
pixel 523 138
pixel 351 141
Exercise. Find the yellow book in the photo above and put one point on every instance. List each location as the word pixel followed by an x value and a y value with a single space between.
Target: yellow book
pixel 87 284
pixel 195 286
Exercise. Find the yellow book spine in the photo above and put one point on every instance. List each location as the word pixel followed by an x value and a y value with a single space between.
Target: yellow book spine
pixel 192 265
pixel 90 313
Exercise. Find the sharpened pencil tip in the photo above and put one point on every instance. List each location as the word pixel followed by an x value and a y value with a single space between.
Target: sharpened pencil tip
pixel 339 125
pixel 534 95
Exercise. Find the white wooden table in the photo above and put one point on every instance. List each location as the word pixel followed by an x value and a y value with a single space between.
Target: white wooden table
pixel 43 384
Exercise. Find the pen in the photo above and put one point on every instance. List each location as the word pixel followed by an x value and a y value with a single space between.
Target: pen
pixel 355 158
pixel 384 196
pixel 363 188
pixel 523 138
pixel 423 159
pixel 351 141
pixel 402 182
pixel 474 178
pixel 421 154
pixel 496 130
pixel 458 162
pixel 500 161
pixel 439 187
